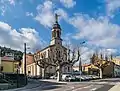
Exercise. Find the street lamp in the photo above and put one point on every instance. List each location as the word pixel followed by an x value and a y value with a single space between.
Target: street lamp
pixel 80 64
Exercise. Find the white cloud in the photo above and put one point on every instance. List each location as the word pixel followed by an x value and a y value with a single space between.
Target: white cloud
pixel 3 10
pixel 4 5
pixel 45 14
pixel 12 2
pixel 46 11
pixel 86 54
pixel 99 32
pixel 112 7
pixel 68 3
pixel 16 38
pixel 29 14
pixel 67 40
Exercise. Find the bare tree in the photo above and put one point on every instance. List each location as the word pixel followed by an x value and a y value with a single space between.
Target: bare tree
pixel 42 62
pixel 73 57
pixel 101 63
pixel 58 57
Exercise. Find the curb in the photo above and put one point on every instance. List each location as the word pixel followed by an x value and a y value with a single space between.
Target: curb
pixel 115 88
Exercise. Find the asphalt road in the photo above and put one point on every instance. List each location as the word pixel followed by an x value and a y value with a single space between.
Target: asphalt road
pixel 52 85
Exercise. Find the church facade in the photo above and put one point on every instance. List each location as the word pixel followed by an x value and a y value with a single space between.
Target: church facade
pixel 55 51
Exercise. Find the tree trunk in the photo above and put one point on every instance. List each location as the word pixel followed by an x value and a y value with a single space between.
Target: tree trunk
pixel 59 78
pixel 101 73
pixel 43 73
pixel 71 67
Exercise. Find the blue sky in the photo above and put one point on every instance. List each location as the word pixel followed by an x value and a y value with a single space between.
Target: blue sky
pixel 94 21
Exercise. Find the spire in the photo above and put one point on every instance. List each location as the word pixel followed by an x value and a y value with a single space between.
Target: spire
pixel 56 25
pixel 56 32
pixel 56 17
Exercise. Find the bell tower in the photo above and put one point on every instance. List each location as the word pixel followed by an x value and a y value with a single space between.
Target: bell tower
pixel 56 32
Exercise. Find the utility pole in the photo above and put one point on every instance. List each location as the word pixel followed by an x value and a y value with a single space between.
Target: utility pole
pixel 25 63
pixel 80 67
pixel 25 58
pixel 0 61
pixel 80 64
pixel 17 78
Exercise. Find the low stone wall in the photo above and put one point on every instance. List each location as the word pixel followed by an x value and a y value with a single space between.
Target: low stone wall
pixel 13 80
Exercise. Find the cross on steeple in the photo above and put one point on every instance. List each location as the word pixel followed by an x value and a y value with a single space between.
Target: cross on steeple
pixel 56 17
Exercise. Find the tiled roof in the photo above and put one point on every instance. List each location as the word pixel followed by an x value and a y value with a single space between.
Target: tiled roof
pixel 7 58
pixel 85 65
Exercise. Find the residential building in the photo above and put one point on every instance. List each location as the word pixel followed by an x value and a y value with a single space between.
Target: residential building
pixel 8 64
pixel 31 66
pixel 111 70
pixel 87 69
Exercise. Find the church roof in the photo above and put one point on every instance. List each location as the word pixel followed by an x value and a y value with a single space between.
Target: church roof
pixel 48 47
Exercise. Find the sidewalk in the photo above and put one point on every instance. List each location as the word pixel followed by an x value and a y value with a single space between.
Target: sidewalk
pixel 115 88
pixel 52 80
pixel 30 85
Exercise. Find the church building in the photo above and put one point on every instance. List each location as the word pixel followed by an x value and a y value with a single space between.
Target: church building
pixel 55 51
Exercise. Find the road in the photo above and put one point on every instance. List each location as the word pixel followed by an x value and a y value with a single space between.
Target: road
pixel 52 85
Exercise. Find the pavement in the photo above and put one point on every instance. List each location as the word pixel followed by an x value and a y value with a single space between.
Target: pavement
pixel 115 88
pixel 31 84
pixel 52 85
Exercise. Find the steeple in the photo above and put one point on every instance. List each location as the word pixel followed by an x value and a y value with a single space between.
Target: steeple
pixel 56 32
pixel 56 18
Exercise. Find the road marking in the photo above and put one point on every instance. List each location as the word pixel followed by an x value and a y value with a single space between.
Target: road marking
pixel 102 82
pixel 82 88
pixel 93 89
pixel 88 86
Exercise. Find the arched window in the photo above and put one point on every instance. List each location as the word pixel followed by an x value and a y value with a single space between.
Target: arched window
pixel 53 33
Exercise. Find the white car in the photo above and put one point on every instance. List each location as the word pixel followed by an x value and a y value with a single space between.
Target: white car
pixel 82 78
pixel 53 77
pixel 68 77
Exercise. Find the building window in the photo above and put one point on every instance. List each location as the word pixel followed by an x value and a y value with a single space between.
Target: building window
pixel 28 72
pixel 16 65
pixel 1 69
pixel 68 69
pixel 53 33
pixel 58 34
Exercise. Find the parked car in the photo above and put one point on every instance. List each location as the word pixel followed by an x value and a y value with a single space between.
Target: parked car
pixel 88 77
pixel 78 78
pixel 95 77
pixel 68 77
pixel 53 77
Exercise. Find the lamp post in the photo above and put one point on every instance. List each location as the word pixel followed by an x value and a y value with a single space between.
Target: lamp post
pixel 80 64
